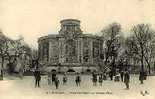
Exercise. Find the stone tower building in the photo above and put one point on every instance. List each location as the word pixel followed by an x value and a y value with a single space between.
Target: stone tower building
pixel 70 48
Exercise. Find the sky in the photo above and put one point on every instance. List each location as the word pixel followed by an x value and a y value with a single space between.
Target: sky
pixel 35 18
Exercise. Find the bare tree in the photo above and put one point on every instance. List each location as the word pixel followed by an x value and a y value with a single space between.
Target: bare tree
pixel 5 42
pixel 141 46
pixel 12 48
pixel 112 43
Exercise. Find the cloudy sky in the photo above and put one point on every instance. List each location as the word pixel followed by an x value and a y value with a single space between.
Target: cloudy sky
pixel 35 18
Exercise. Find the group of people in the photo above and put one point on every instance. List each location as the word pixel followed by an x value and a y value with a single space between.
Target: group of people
pixel 123 75
pixel 53 78
pixel 100 78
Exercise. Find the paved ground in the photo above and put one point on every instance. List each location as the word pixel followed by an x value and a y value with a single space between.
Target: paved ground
pixel 15 88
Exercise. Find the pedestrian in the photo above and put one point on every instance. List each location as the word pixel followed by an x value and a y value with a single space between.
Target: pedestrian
pixel 37 77
pixel 64 79
pixel 111 74
pixel 56 82
pixel 122 75
pixel 78 80
pixel 94 79
pixel 53 77
pixel 126 78
pixel 100 80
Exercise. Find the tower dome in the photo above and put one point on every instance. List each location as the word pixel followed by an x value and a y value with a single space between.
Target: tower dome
pixel 70 26
pixel 70 22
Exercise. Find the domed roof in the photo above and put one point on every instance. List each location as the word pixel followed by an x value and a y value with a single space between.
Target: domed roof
pixel 70 22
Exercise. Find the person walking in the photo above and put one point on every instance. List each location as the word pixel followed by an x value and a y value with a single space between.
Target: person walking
pixel 53 77
pixel 78 80
pixel 94 79
pixel 37 77
pixel 122 75
pixel 56 82
pixel 126 78
pixel 100 80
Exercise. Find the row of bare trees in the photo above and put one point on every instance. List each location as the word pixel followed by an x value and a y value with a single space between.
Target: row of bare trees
pixel 136 49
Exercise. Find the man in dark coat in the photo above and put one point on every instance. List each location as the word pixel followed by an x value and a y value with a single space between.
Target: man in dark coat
pixel 94 79
pixel 56 82
pixel 122 75
pixel 37 77
pixel 126 78
pixel 100 80
pixel 78 80
pixel 53 77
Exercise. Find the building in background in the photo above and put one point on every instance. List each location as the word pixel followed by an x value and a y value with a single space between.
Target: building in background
pixel 71 48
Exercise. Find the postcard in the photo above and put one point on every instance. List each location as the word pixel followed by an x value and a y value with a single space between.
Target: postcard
pixel 76 49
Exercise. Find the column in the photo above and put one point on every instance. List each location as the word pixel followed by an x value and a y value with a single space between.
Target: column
pixel 91 51
pixel 50 52
pixel 81 54
pixel 61 50
pixel 42 52
pixel 78 50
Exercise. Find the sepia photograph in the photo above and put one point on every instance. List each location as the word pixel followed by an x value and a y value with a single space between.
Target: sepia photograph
pixel 77 49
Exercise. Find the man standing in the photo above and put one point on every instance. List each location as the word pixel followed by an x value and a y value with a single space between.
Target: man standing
pixel 94 79
pixel 126 79
pixel 37 77
pixel 100 79
pixel 122 75
pixel 56 82
pixel 53 77
pixel 78 80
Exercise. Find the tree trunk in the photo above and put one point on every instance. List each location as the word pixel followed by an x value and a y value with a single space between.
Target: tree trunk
pixel 148 64
pixel 142 64
pixel 2 64
pixel 114 66
pixel 154 67
pixel 142 59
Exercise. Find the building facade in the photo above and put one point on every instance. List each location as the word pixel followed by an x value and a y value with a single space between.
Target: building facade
pixel 70 48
